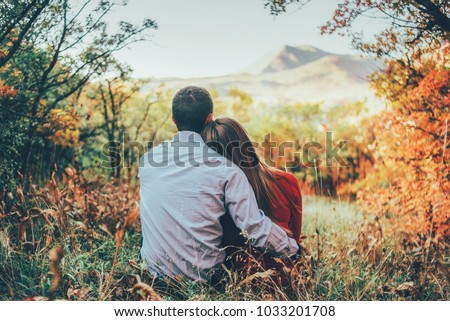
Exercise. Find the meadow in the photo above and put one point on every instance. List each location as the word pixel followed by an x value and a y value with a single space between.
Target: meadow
pixel 75 247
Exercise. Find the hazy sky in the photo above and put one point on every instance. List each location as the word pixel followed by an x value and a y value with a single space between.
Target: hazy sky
pixel 216 37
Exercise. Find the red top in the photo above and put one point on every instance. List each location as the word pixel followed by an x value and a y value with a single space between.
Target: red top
pixel 284 213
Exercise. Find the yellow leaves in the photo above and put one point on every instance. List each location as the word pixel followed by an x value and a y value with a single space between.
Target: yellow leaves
pixel 17 73
pixel 56 111
pixel 62 127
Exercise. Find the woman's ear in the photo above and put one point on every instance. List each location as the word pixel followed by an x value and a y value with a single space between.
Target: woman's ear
pixel 173 119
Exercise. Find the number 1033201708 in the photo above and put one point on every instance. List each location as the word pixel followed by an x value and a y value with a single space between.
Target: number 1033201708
pixel 296 311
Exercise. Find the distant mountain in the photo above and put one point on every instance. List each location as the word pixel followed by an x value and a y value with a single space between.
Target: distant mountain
pixel 295 74
pixel 285 58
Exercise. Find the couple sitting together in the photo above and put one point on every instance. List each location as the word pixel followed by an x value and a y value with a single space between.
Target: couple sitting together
pixel 208 190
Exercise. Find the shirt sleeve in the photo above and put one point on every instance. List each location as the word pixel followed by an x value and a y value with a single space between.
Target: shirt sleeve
pixel 241 204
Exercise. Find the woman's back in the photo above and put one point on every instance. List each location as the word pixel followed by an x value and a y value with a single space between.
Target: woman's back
pixel 287 211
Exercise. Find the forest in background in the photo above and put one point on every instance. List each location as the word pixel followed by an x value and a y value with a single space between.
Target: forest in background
pixel 63 96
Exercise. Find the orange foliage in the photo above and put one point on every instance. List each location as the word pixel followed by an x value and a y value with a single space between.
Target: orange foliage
pixel 413 149
pixel 7 92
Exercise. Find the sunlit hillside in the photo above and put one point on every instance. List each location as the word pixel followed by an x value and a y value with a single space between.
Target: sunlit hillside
pixel 292 74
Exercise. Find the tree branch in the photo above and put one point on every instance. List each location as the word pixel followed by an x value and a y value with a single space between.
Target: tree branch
pixel 439 18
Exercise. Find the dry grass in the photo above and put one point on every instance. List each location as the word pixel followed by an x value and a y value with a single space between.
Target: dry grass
pixel 79 240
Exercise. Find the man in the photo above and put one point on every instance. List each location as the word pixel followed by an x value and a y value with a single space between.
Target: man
pixel 186 188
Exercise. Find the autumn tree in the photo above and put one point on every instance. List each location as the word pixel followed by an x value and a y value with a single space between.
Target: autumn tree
pixel 150 126
pixel 411 170
pixel 412 147
pixel 109 97
pixel 49 64
pixel 124 118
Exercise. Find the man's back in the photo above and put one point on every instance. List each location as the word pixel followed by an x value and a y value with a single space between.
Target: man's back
pixel 183 187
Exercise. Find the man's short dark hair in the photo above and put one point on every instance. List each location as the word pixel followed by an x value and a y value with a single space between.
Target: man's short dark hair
pixel 191 107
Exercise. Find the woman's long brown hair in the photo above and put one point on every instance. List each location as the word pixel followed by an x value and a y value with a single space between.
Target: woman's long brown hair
pixel 230 139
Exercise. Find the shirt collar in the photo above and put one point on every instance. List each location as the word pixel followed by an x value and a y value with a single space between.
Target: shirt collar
pixel 188 136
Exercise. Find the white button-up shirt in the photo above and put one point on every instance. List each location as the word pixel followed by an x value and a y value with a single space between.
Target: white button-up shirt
pixel 185 188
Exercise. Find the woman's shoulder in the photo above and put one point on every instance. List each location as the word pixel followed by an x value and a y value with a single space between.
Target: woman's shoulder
pixel 285 176
pixel 289 184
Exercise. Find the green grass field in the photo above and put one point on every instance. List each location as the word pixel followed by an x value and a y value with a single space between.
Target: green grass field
pixel 351 257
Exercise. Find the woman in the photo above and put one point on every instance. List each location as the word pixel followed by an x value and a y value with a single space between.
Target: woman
pixel 277 192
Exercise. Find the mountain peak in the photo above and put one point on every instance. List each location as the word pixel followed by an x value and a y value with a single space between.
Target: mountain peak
pixel 296 74
pixel 308 48
pixel 286 57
